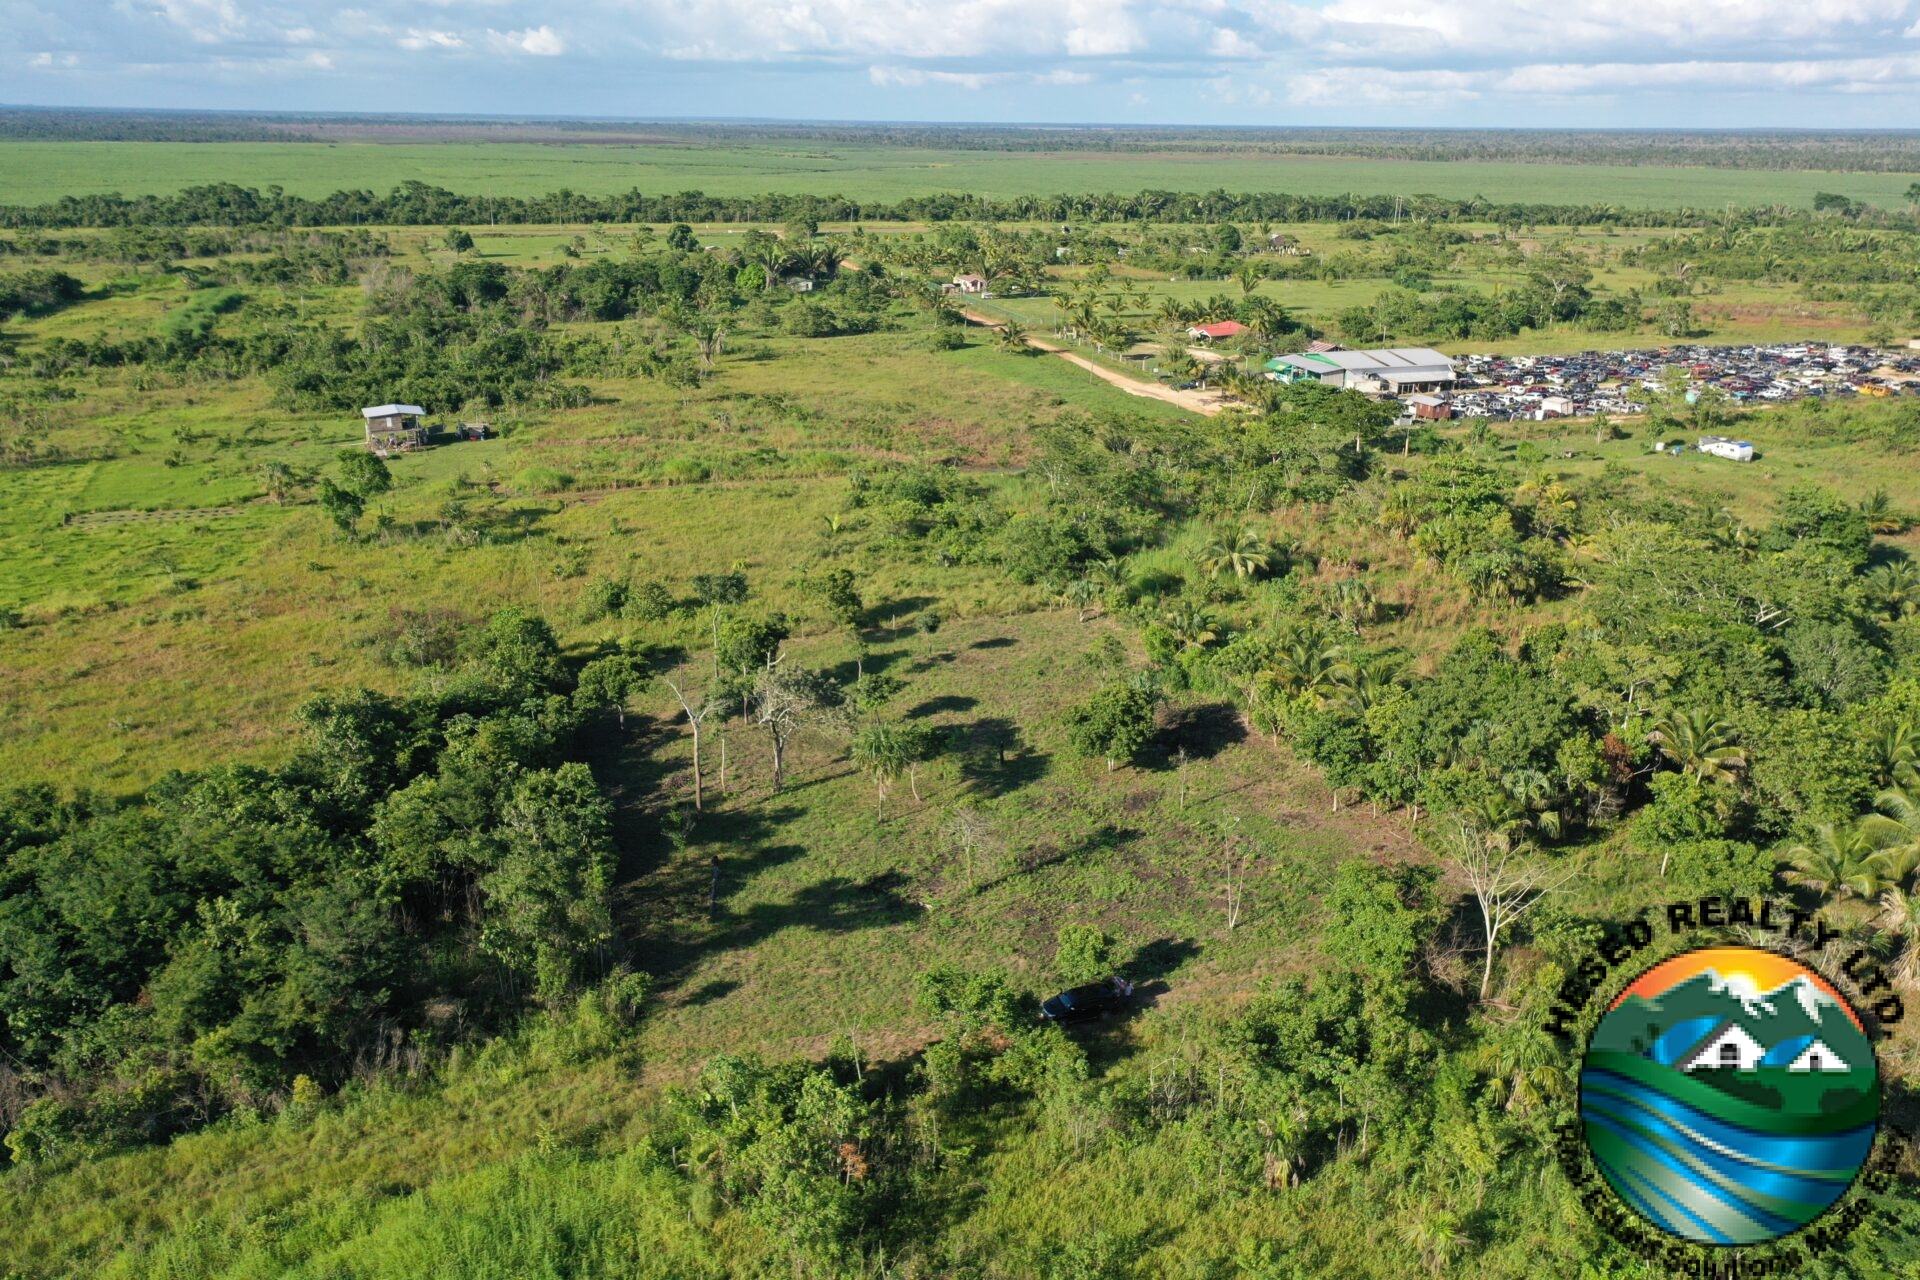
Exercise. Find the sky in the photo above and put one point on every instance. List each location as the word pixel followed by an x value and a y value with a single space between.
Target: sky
pixel 1498 63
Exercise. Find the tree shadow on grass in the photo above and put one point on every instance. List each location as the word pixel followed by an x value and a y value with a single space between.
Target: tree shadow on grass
pixel 1202 731
pixel 995 642
pixel 994 759
pixel 880 617
pixel 1151 962
pixel 945 702
pixel 707 992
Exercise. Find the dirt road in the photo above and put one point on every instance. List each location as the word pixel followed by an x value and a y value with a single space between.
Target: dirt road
pixel 1207 402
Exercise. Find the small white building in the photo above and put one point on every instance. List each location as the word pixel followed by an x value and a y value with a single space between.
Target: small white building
pixel 1556 407
pixel 968 282
pixel 1722 447
pixel 1729 1047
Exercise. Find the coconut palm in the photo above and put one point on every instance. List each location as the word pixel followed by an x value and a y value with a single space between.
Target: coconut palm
pixel 1896 588
pixel 1191 625
pixel 1896 754
pixel 1895 831
pixel 1838 860
pixel 1366 680
pixel 1011 337
pixel 1882 516
pixel 1245 552
pixel 1527 1064
pixel 1699 744
pixel 1538 799
pixel 1900 917
pixel 1308 663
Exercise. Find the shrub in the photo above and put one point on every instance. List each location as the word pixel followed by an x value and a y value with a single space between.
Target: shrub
pixel 1082 953
pixel 603 598
pixel 649 602
pixel 542 480
pixel 685 471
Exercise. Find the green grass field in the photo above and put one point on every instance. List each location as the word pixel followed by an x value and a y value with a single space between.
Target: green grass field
pixel 36 172
pixel 165 613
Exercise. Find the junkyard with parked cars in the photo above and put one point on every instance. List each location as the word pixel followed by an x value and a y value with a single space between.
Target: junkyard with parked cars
pixel 1510 388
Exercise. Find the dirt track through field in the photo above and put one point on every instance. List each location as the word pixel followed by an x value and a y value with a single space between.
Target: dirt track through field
pixel 1196 401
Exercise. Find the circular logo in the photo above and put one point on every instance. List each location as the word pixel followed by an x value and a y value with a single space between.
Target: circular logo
pixel 1730 1095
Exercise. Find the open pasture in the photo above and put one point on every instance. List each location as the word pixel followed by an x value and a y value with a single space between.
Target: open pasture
pixel 37 172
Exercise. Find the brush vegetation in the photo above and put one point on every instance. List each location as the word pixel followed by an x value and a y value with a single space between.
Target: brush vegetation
pixel 636 842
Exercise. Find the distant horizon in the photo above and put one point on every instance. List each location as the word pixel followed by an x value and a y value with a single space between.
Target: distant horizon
pixel 1455 64
pixel 850 122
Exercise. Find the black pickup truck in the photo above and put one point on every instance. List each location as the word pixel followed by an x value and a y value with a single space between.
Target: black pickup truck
pixel 1083 1004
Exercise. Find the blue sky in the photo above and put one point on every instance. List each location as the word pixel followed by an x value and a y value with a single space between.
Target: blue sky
pixel 1618 63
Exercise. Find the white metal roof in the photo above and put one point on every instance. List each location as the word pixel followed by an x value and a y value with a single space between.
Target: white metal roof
pixel 1385 361
pixel 388 410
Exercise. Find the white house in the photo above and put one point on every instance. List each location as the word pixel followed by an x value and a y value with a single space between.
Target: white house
pixel 1730 1046
pixel 1721 447
pixel 969 282
pixel 1818 1057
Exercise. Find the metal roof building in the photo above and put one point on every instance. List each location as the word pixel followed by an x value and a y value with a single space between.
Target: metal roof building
pixel 1386 369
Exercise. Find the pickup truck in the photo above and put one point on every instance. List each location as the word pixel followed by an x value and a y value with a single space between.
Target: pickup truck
pixel 1083 1004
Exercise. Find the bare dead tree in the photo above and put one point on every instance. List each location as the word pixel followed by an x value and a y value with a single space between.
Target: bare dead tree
pixel 973 833
pixel 695 718
pixel 785 700
pixel 1506 881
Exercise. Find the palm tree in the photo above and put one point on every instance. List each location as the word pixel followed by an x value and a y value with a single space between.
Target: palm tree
pixel 1896 752
pixel 1895 831
pixel 1081 593
pixel 1839 860
pixel 1245 552
pixel 1011 337
pixel 1308 663
pixel 1365 681
pixel 1192 626
pixel 882 752
pixel 1538 799
pixel 1882 516
pixel 1354 601
pixel 1699 744
pixel 1527 1065
pixel 1249 277
pixel 1896 588
pixel 1900 916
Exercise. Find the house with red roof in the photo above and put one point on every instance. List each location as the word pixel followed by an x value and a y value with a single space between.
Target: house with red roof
pixel 1218 329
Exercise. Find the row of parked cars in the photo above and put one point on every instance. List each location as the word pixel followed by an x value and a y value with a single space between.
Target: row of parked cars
pixel 1590 382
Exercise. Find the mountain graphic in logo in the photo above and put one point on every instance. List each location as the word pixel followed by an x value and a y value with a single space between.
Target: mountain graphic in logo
pixel 1730 1096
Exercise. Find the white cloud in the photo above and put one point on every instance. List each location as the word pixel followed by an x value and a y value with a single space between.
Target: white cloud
pixel 1333 56
pixel 418 38
pixel 541 42
pixel 53 61
pixel 896 77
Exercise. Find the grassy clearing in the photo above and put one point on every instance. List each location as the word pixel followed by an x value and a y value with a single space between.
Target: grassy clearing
pixel 35 172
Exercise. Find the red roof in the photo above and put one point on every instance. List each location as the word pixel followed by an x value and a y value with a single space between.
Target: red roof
pixel 1219 329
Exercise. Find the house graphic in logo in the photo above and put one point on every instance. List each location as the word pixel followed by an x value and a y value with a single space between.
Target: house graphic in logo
pixel 1730 1095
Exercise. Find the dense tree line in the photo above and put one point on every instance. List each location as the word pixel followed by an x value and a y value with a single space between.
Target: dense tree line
pixel 420 870
pixel 418 204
